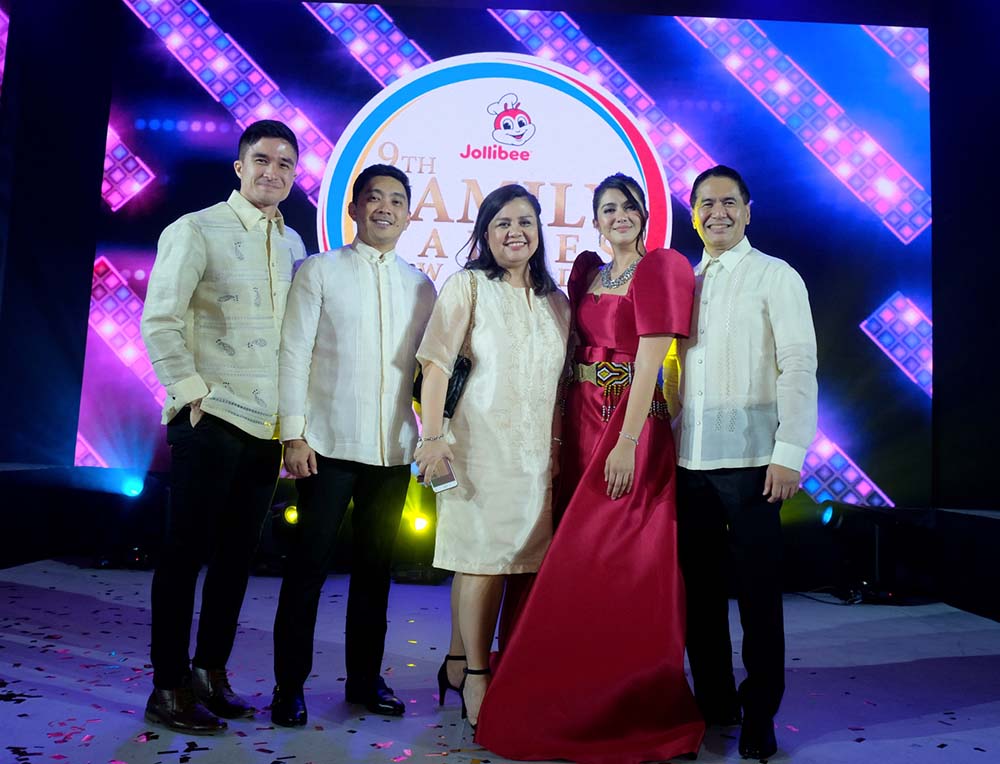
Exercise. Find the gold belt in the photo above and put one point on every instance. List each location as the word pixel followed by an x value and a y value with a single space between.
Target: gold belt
pixel 604 373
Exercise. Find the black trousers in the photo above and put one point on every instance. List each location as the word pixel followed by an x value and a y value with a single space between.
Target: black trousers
pixel 221 484
pixel 379 494
pixel 727 531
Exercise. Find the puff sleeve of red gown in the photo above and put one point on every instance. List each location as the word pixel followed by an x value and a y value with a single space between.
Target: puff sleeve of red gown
pixel 663 291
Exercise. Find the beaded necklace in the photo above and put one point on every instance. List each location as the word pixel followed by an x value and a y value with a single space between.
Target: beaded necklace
pixel 623 278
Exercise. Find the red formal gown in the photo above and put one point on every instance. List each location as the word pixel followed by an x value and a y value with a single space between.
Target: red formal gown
pixel 594 668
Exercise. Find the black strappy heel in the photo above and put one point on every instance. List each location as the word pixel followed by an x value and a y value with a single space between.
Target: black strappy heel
pixel 472 672
pixel 443 683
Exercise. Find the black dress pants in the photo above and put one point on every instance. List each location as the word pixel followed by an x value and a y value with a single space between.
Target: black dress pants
pixel 727 531
pixel 379 494
pixel 221 484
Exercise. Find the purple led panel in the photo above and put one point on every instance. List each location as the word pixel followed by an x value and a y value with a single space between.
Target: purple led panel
pixel 372 37
pixel 905 334
pixel 4 27
pixel 125 174
pixel 115 313
pixel 555 36
pixel 830 475
pixel 819 122
pixel 908 45
pixel 85 455
pixel 234 79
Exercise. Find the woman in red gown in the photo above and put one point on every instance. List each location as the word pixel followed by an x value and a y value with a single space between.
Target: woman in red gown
pixel 594 669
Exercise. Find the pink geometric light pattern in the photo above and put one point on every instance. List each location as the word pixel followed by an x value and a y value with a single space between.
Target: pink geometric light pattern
pixel 905 334
pixel 115 313
pixel 85 454
pixel 4 28
pixel 125 174
pixel 234 79
pixel 855 158
pixel 908 45
pixel 830 475
pixel 371 36
pixel 553 35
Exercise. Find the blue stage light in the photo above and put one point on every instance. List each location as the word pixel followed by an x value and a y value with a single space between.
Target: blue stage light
pixel 132 485
pixel 827 515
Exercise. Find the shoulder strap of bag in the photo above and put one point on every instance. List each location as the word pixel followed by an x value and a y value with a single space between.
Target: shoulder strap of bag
pixel 467 342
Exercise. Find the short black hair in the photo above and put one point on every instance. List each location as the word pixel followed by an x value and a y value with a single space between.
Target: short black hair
pixel 481 257
pixel 267 128
pixel 378 171
pixel 633 194
pixel 720 171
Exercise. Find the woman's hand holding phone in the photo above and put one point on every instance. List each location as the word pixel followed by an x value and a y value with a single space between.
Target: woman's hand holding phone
pixel 428 457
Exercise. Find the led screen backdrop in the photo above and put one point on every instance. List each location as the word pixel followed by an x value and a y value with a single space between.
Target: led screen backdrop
pixel 829 124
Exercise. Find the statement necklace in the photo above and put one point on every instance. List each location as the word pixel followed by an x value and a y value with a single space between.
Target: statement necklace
pixel 623 278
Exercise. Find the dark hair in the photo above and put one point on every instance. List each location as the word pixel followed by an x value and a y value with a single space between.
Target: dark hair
pixel 380 171
pixel 481 257
pixel 627 185
pixel 720 171
pixel 267 128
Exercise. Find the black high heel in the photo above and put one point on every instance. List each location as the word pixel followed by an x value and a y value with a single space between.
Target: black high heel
pixel 443 683
pixel 473 672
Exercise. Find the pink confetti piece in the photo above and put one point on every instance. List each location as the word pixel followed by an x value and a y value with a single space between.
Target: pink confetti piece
pixel 387 744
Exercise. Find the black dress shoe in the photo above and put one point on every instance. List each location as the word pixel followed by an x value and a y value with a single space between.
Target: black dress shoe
pixel 757 739
pixel 180 710
pixel 211 687
pixel 722 717
pixel 288 707
pixel 377 698
pixel 721 710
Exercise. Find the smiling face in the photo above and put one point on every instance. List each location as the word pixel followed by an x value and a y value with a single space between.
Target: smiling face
pixel 266 172
pixel 513 234
pixel 513 127
pixel 620 220
pixel 381 212
pixel 720 215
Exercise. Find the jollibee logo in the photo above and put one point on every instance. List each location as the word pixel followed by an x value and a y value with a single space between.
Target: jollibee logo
pixel 511 118
pixel 512 125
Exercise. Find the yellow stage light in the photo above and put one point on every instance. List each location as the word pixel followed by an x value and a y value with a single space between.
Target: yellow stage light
pixel 420 524
pixel 291 514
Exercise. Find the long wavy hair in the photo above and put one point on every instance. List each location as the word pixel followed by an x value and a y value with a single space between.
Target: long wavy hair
pixel 481 257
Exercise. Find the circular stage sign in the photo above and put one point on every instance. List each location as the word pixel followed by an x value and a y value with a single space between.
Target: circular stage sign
pixel 462 126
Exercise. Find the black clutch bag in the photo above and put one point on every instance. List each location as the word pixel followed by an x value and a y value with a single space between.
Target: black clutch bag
pixel 461 370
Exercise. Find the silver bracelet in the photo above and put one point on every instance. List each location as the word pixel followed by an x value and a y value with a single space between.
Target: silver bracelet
pixel 629 437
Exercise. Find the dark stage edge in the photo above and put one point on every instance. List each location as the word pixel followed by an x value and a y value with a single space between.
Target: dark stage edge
pixel 866 683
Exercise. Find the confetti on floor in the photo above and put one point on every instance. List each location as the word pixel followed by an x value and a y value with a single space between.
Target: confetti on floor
pixel 868 686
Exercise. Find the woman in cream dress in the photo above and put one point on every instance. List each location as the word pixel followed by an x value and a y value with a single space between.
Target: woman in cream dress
pixel 498 519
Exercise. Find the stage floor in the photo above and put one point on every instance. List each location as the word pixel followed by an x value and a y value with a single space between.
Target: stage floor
pixel 866 684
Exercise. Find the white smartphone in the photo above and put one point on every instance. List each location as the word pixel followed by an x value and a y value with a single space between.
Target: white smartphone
pixel 445 478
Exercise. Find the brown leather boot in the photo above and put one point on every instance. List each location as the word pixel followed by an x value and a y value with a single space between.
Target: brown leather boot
pixel 179 710
pixel 211 687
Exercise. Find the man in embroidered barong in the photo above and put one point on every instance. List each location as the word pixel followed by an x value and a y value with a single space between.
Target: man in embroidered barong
pixel 212 325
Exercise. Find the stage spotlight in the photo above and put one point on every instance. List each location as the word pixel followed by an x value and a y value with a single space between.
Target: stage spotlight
pixel 291 514
pixel 827 515
pixel 132 486
pixel 420 523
